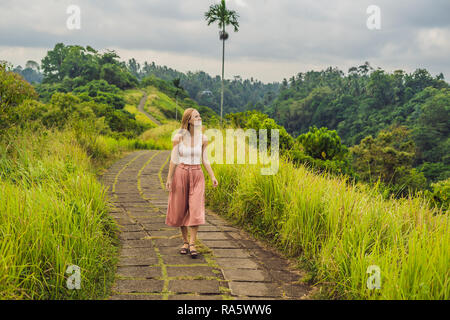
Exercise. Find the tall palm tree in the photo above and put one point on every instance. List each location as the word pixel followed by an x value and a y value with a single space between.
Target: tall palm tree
pixel 176 83
pixel 219 12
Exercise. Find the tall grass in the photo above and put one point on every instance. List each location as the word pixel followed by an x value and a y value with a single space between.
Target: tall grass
pixel 140 117
pixel 160 105
pixel 132 98
pixel 338 229
pixel 160 136
pixel 53 214
pixel 103 149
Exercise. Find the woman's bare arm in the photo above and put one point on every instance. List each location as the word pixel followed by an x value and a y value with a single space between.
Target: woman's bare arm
pixel 174 161
pixel 205 160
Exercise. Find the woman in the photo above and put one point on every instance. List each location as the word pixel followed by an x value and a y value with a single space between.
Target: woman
pixel 186 182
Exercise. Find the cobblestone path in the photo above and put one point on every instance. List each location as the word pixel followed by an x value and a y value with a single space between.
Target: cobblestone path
pixel 231 265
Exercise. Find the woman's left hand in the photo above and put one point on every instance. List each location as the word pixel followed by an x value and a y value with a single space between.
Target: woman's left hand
pixel 214 182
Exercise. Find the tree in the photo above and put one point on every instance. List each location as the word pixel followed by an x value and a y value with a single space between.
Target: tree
pixel 176 83
pixel 220 13
pixel 134 67
pixel 365 68
pixel 75 61
pixel 433 127
pixel 13 91
pixel 322 143
pixel 257 121
pixel 389 157
pixel 381 88
pixel 52 62
pixel 114 74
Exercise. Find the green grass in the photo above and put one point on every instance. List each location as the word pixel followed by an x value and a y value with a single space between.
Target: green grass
pixel 160 136
pixel 140 117
pixel 54 213
pixel 132 98
pixel 161 106
pixel 336 230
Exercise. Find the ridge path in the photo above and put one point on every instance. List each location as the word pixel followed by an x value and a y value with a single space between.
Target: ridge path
pixel 231 263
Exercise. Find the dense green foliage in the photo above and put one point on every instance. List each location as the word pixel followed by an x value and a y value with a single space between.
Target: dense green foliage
pixel 362 103
pixel 389 157
pixel 79 83
pixel 86 72
pixel 13 91
pixel 441 193
pixel 322 143
pixel 239 95
pixel 257 121
pixel 356 105
pixel 432 132
pixel 74 61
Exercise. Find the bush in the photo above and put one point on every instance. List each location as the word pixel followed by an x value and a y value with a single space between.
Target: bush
pixel 338 167
pixel 257 120
pixel 13 91
pixel 322 143
pixel 113 74
pixel 440 194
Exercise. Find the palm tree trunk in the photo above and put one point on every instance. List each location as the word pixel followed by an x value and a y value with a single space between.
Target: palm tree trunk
pixel 223 63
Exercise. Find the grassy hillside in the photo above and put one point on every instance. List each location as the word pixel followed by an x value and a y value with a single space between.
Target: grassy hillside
pixel 336 230
pixel 162 105
pixel 132 98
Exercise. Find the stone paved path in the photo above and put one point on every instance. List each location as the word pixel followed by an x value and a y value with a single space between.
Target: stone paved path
pixel 232 265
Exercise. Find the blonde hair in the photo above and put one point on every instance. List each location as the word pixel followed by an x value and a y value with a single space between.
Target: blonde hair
pixel 185 121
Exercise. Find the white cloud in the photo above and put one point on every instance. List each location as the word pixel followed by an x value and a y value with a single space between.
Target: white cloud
pixel 20 55
pixel 240 3
pixel 434 40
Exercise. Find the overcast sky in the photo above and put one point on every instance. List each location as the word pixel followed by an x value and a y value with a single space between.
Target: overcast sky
pixel 276 38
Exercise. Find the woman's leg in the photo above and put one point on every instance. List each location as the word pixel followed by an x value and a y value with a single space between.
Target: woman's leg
pixel 184 233
pixel 193 236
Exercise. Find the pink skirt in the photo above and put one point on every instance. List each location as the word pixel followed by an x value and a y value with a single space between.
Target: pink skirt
pixel 186 204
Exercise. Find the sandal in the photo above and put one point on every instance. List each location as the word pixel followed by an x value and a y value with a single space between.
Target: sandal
pixel 193 253
pixel 184 250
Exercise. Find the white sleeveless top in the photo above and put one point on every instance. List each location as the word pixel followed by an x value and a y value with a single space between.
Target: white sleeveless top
pixel 190 155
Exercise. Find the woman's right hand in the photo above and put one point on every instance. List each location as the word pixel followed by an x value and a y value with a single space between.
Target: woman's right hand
pixel 168 184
